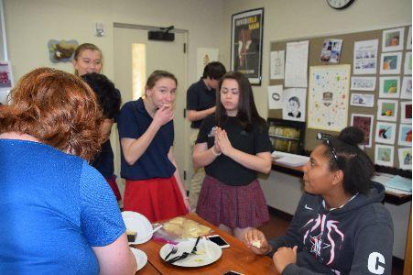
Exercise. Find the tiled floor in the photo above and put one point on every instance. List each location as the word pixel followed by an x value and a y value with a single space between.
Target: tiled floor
pixel 278 225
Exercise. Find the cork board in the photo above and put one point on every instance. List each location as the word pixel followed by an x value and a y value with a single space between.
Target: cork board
pixel 347 51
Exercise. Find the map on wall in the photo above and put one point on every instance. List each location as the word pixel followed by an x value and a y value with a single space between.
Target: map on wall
pixel 328 97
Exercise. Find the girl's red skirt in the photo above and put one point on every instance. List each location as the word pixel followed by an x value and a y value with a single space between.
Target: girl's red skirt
pixel 156 199
pixel 112 183
pixel 233 206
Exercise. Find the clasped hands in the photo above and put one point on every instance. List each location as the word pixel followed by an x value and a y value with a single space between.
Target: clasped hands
pixel 282 257
pixel 222 143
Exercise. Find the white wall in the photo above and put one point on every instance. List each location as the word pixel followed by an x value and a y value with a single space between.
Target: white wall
pixel 31 24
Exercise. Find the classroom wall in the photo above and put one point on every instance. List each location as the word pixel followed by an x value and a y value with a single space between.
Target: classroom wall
pixel 31 24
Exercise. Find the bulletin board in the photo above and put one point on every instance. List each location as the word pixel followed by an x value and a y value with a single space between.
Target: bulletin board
pixel 346 58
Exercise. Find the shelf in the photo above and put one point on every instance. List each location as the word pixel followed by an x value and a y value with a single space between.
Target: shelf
pixel 284 138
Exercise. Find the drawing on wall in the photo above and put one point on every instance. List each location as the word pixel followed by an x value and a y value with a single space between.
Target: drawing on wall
pixel 277 63
pixel 275 96
pixel 362 100
pixel 405 158
pixel 294 104
pixel 406 112
pixel 409 39
pixel 331 50
pixel 365 57
pixel 405 135
pixel 390 63
pixel 328 97
pixel 387 110
pixel 393 40
pixel 246 44
pixel 364 123
pixel 385 132
pixel 384 155
pixel 360 83
pixel 406 91
pixel 203 57
pixel 408 63
pixel 61 50
pixel 389 87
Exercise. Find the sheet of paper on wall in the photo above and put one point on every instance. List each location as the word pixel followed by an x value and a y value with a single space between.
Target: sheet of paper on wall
pixel 296 65
pixel 294 104
pixel 365 57
pixel 277 63
pixel 203 57
pixel 275 97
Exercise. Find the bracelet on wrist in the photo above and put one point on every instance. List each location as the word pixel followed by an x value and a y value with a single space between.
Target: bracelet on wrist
pixel 215 153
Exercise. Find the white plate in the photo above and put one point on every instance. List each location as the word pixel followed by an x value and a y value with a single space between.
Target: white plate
pixel 139 223
pixel 140 256
pixel 211 253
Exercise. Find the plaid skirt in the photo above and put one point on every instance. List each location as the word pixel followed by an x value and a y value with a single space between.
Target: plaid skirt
pixel 233 206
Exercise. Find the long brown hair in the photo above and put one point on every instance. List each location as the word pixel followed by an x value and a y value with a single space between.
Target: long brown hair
pixel 57 108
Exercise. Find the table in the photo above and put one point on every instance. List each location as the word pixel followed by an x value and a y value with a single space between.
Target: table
pixel 237 257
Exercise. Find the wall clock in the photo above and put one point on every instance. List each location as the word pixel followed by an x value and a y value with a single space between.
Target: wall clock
pixel 340 4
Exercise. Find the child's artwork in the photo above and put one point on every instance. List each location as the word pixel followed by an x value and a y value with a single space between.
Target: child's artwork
pixel 393 40
pixel 6 79
pixel 362 100
pixel 328 97
pixel 406 112
pixel 294 104
pixel 408 64
pixel 406 91
pixel 387 110
pixel 360 83
pixel 390 87
pixel 331 50
pixel 386 132
pixel 364 123
pixel 405 158
pixel 61 50
pixel 390 63
pixel 384 155
pixel 365 57
pixel 405 135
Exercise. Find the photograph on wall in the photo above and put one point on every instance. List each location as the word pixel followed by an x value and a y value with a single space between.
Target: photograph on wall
pixel 408 63
pixel 409 39
pixel 384 155
pixel 364 123
pixel 363 83
pixel 362 100
pixel 331 50
pixel 328 97
pixel 365 57
pixel 393 40
pixel 390 63
pixel 406 112
pixel 203 57
pixel 389 87
pixel 406 91
pixel 6 79
pixel 294 104
pixel 246 44
pixel 405 158
pixel 387 110
pixel 385 132
pixel 405 135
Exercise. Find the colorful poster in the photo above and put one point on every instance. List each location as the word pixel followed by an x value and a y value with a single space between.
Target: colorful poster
pixel 246 44
pixel 328 97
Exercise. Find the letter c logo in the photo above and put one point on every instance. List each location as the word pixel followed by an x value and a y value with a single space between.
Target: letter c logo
pixel 376 263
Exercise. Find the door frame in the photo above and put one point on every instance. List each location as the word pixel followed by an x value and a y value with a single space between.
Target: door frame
pixel 187 169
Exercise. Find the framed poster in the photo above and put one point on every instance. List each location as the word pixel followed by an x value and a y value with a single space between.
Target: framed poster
pixel 246 44
pixel 364 123
pixel 328 97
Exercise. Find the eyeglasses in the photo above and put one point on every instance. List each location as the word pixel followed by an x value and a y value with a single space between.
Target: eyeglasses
pixel 333 151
